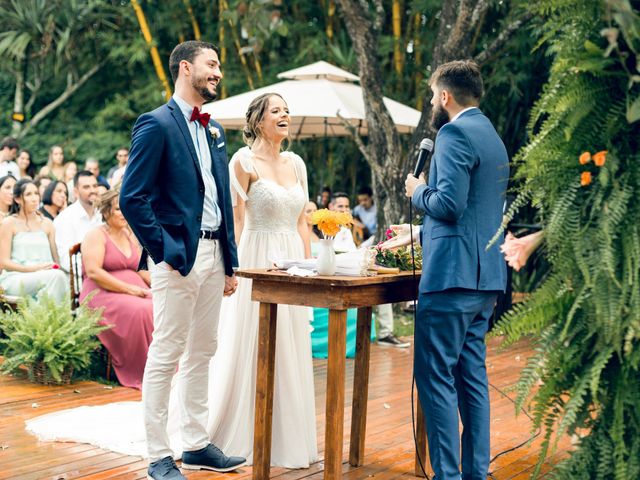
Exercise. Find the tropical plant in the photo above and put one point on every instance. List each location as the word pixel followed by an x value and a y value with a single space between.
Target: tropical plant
pixel 586 313
pixel 46 333
pixel 70 39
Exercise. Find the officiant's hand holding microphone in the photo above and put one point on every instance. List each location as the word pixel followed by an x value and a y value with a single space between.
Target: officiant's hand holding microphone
pixel 403 232
pixel 417 178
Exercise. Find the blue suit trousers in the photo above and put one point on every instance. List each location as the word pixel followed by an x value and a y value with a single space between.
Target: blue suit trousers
pixel 451 376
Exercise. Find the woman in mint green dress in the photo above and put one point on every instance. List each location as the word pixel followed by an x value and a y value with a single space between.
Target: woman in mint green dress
pixel 28 256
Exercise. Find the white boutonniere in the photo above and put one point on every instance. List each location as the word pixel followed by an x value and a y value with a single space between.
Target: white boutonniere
pixel 215 133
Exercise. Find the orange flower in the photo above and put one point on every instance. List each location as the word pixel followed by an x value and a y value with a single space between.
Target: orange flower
pixel 329 221
pixel 600 157
pixel 585 158
pixel 585 179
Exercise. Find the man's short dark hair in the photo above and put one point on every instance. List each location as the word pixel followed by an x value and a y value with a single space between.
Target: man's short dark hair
pixel 188 51
pixel 366 190
pixel 10 143
pixel 327 189
pixel 81 173
pixel 462 79
pixel 338 195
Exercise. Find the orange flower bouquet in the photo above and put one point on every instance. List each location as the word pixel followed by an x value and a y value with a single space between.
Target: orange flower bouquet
pixel 329 221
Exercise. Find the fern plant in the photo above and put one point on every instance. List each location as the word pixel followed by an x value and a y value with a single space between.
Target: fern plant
pixel 47 332
pixel 586 314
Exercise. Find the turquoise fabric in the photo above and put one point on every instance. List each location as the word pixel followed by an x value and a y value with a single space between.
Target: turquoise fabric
pixel 321 331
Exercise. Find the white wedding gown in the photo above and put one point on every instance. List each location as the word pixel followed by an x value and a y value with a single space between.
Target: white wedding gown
pixel 270 231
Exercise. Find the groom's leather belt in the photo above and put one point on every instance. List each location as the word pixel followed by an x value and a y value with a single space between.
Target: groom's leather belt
pixel 210 234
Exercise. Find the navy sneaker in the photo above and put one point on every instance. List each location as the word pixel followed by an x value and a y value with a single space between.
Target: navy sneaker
pixel 164 469
pixel 211 458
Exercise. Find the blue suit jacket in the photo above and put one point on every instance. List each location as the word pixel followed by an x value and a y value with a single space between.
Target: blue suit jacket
pixel 162 192
pixel 463 204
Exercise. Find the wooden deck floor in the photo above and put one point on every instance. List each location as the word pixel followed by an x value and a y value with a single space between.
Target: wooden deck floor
pixel 389 444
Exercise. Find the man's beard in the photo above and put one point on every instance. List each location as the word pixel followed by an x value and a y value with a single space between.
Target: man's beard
pixel 439 117
pixel 200 84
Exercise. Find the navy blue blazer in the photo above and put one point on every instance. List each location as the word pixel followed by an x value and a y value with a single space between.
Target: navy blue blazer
pixel 162 191
pixel 463 204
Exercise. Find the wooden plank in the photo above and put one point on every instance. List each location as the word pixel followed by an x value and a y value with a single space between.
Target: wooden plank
pixel 265 373
pixel 389 452
pixel 337 344
pixel 360 387
pixel 329 296
pixel 335 280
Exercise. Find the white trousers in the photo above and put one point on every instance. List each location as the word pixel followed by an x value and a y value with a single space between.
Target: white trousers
pixel 385 320
pixel 185 318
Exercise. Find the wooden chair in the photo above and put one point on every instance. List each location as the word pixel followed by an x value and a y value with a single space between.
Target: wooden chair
pixel 75 284
pixel 8 302
pixel 75 278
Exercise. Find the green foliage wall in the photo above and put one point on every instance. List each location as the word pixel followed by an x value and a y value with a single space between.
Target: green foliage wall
pixel 586 314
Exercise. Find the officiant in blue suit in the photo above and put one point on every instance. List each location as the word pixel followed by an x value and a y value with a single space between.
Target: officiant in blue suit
pixel 462 203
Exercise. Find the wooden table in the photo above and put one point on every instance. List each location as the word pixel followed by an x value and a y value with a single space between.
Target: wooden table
pixel 337 294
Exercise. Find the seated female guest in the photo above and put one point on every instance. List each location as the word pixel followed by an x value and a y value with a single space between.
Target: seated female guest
pixel 55 164
pixel 25 164
pixel 70 170
pixel 54 199
pixel 28 252
pixel 110 256
pixel 6 195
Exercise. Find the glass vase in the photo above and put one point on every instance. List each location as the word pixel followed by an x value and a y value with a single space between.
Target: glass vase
pixel 326 261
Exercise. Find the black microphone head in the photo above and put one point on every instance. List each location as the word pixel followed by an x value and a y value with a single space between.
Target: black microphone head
pixel 426 144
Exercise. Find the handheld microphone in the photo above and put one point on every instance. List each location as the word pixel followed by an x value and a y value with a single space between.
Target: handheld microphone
pixel 426 147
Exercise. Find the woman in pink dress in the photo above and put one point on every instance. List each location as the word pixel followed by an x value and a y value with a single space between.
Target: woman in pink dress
pixel 110 256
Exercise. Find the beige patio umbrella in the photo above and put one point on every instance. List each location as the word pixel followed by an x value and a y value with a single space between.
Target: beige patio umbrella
pixel 320 97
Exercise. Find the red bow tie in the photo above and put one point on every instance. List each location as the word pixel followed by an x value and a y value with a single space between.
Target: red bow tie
pixel 201 117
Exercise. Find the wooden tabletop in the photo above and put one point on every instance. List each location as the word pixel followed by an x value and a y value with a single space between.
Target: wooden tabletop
pixel 334 292
pixel 334 280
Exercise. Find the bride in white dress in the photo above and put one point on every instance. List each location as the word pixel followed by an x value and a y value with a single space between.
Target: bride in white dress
pixel 270 190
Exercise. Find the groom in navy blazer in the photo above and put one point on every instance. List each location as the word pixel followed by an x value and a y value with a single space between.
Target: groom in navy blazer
pixel 463 206
pixel 175 196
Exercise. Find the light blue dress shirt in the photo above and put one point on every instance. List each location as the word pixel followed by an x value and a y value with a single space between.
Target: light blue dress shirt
pixel 211 215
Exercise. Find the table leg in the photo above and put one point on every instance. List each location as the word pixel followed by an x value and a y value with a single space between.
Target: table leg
pixel 422 445
pixel 360 387
pixel 264 390
pixel 334 429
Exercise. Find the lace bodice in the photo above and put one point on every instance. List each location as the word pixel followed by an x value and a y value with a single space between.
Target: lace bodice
pixel 270 207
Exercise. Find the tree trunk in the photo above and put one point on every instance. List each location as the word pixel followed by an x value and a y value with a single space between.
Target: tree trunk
pixel 18 101
pixel 383 151
pixel 72 87
pixel 155 56
pixel 458 22
pixel 194 21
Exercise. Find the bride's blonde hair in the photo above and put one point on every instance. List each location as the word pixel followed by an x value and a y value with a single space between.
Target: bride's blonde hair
pixel 255 114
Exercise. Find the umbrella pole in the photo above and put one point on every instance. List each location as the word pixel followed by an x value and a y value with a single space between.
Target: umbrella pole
pixel 325 151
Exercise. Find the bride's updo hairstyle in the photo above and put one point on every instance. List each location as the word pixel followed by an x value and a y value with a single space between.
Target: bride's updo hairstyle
pixel 255 113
